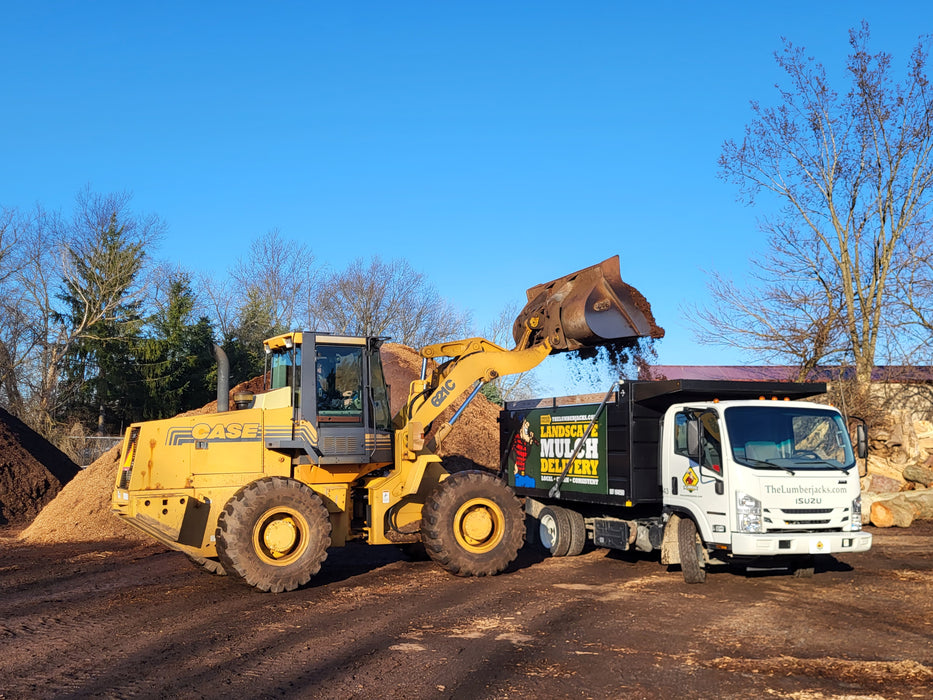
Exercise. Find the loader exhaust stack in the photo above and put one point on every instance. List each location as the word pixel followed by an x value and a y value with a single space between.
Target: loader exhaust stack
pixel 585 309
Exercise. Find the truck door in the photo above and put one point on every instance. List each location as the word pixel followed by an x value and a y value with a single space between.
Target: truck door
pixel 695 477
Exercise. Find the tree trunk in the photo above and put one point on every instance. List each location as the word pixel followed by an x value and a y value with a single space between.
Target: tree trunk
pixel 897 512
pixel 919 474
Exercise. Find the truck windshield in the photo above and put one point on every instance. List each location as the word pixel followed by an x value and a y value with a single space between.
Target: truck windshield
pixel 772 437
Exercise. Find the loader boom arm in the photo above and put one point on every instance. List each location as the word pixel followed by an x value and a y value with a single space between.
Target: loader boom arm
pixel 472 360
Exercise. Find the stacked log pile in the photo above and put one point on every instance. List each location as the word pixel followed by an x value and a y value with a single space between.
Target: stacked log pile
pixel 897 487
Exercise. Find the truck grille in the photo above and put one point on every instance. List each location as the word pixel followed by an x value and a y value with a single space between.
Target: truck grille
pixel 793 519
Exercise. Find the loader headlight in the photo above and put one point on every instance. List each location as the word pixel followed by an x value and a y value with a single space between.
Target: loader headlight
pixel 747 513
pixel 855 519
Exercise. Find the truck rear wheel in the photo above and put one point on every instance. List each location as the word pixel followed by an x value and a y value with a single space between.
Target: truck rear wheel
pixel 554 530
pixel 273 533
pixel 692 561
pixel 472 524
pixel 561 531
pixel 577 533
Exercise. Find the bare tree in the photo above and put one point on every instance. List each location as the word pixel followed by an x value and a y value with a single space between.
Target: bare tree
pixel 387 299
pixel 852 175
pixel 15 336
pixel 283 272
pixel 217 300
pixel 70 275
pixel 512 387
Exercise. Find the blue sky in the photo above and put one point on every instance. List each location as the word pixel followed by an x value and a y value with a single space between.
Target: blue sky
pixel 494 145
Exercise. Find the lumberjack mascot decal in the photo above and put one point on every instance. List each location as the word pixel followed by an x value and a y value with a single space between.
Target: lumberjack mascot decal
pixel 520 443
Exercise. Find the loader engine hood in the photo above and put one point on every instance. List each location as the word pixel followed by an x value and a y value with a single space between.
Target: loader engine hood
pixel 585 309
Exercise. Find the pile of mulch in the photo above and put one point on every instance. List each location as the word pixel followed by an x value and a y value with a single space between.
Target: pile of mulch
pixel 474 440
pixel 32 471
pixel 81 512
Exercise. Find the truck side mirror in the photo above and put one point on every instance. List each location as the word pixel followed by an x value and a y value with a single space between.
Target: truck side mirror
pixel 861 440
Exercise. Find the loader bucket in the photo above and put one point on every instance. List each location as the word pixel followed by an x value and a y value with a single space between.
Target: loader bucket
pixel 586 309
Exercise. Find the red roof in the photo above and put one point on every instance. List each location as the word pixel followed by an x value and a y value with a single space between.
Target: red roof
pixel 782 373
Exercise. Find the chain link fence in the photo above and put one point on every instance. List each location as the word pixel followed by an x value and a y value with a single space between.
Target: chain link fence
pixel 84 450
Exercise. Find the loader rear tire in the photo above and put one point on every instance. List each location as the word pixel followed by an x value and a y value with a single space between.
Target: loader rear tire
pixel 274 534
pixel 692 562
pixel 472 524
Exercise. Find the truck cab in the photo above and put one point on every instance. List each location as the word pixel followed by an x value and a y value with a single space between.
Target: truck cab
pixel 763 478
pixel 704 471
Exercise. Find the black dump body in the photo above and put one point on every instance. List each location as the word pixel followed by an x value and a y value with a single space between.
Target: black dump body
pixel 619 464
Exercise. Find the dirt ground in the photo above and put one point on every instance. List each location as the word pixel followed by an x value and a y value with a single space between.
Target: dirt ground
pixel 124 620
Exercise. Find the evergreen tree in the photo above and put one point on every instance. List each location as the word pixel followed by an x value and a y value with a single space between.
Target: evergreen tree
pixel 175 360
pixel 101 383
pixel 256 322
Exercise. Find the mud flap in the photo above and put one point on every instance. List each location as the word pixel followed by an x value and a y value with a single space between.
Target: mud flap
pixel 670 550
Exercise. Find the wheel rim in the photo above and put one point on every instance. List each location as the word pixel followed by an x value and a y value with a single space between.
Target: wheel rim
pixel 280 536
pixel 479 525
pixel 547 531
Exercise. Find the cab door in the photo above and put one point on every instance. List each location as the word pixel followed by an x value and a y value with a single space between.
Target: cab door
pixel 693 472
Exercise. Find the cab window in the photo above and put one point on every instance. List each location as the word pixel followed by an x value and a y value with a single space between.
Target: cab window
pixel 680 435
pixel 286 368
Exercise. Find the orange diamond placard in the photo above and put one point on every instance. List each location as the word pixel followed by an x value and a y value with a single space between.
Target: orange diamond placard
pixel 691 479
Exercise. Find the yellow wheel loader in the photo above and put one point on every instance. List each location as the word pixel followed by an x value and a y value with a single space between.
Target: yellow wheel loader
pixel 262 491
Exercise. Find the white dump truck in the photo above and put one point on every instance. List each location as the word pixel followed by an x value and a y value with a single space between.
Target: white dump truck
pixel 706 471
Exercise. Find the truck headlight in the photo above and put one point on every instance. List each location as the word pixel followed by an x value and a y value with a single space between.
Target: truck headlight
pixel 855 520
pixel 748 513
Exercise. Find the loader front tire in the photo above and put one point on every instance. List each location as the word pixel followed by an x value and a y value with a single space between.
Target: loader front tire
pixel 472 524
pixel 274 534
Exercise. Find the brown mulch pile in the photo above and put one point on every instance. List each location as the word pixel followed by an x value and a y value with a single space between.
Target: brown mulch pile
pixel 475 437
pixel 32 471
pixel 81 512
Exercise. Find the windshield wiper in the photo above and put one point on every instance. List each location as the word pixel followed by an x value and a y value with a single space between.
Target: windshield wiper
pixel 844 470
pixel 770 464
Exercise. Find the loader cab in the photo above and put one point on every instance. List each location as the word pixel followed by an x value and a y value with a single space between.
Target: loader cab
pixel 337 387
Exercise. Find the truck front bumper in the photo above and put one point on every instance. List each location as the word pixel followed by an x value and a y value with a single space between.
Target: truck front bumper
pixel 781 543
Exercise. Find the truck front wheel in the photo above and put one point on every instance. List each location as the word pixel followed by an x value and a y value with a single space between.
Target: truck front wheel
pixel 472 524
pixel 692 561
pixel 274 534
